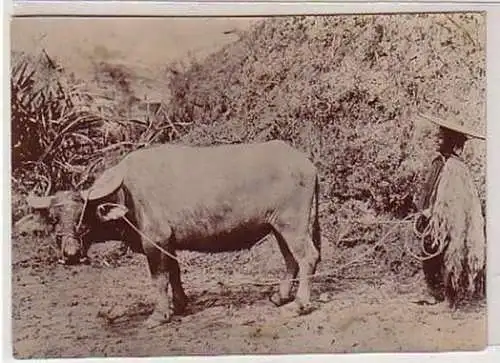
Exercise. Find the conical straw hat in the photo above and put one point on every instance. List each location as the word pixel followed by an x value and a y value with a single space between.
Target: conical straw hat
pixel 453 125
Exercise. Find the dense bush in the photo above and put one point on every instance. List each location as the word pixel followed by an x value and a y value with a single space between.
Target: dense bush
pixel 346 90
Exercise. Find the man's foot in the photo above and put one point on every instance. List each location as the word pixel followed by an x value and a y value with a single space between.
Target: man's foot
pixel 429 298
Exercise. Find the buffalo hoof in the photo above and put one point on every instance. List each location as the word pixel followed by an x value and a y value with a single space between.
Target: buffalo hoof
pixel 179 303
pixel 156 319
pixel 278 300
pixel 74 261
pixel 306 309
pixel 295 309
pixel 180 307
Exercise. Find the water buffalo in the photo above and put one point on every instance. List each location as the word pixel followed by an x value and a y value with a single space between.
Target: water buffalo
pixel 208 199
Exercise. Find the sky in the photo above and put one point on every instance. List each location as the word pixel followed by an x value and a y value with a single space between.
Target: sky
pixel 144 44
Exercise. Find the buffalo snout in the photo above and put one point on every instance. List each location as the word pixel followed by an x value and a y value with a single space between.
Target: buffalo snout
pixel 71 251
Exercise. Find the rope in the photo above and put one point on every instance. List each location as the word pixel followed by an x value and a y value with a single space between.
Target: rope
pixel 123 208
pixel 428 229
pixel 150 240
pixel 85 202
pixel 330 273
pixel 273 282
pixel 422 236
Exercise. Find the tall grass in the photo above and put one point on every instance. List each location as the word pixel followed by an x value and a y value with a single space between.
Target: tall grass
pixel 65 131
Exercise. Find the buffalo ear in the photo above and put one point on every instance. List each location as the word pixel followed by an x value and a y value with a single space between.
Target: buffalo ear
pixel 40 202
pixel 110 212
pixel 108 183
pixel 32 223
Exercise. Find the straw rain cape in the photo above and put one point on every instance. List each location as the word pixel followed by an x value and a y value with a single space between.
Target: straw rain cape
pixel 457 225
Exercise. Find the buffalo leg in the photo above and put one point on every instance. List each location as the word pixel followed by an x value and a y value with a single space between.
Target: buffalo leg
pixel 160 279
pixel 292 268
pixel 178 295
pixel 307 266
pixel 307 257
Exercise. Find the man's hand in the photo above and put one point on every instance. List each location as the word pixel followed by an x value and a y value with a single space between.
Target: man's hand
pixel 426 213
pixel 421 221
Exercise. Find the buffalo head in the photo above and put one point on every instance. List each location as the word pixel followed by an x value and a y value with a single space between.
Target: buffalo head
pixel 78 214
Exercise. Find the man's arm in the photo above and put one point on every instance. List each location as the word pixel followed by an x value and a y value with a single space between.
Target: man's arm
pixel 423 199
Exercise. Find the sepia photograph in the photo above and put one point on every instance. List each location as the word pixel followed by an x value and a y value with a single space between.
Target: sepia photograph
pixel 186 186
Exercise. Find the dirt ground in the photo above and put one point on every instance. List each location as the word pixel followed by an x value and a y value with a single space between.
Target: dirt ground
pixel 97 310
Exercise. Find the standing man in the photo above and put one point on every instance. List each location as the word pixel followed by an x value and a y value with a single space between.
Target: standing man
pixel 451 222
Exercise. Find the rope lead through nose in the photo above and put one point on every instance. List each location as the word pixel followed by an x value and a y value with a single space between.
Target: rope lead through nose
pixel 150 240
pixel 123 208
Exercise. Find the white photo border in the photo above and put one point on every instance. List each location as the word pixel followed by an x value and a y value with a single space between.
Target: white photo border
pixel 30 8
